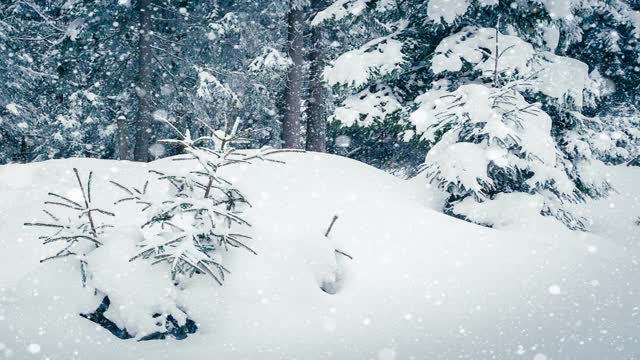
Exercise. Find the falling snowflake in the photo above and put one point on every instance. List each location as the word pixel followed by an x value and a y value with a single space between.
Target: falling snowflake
pixel 33 348
pixel 555 290
pixel 343 141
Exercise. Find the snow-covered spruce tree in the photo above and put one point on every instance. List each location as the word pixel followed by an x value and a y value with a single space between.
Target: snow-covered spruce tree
pixel 488 139
pixel 201 216
pixel 75 225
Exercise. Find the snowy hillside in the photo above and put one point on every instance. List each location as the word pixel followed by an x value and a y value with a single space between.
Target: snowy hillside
pixel 421 285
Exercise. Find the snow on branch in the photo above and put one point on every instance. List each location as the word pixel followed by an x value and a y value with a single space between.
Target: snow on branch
pixel 339 10
pixel 201 218
pixel 556 76
pixel 378 57
pixel 79 231
pixel 487 138
pixel 366 107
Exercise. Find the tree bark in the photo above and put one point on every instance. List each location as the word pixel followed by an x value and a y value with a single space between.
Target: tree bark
pixel 24 156
pixel 143 86
pixel 123 137
pixel 293 92
pixel 316 122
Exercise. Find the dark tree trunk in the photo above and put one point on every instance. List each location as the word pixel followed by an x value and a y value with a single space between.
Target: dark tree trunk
pixel 316 122
pixel 24 156
pixel 293 92
pixel 143 86
pixel 123 138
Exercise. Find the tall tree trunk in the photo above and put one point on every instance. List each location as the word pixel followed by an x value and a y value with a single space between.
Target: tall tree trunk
pixel 123 138
pixel 143 86
pixel 293 91
pixel 316 122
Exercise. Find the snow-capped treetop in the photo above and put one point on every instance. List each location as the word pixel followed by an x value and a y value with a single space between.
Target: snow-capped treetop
pixel 557 76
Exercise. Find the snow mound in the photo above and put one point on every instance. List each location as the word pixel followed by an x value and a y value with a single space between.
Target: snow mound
pixel 420 285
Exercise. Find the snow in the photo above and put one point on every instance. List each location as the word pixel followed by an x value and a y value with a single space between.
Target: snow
pixel 13 108
pixel 366 107
pixel 74 28
pixel 136 289
pixel 523 144
pixel 447 10
pixel 551 36
pixel 378 57
pixel 450 10
pixel 339 10
pixel 561 77
pixel 421 284
pixel 557 76
pixel 559 9
pixel 270 59
pixel 466 45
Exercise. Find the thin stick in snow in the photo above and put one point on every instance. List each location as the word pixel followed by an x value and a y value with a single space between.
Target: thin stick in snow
pixel 333 221
pixel 326 234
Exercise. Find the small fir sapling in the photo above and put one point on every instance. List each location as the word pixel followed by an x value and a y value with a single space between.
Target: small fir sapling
pixel 80 230
pixel 202 216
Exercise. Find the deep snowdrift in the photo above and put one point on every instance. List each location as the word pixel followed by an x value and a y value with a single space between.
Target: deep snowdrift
pixel 422 285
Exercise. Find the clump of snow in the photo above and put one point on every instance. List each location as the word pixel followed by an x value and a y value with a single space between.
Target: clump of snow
pixel 208 84
pixel 366 107
pixel 136 290
pixel 13 108
pixel 561 77
pixel 222 27
pixel 508 211
pixel 339 10
pixel 376 58
pixel 474 44
pixel 447 10
pixel 556 76
pixel 270 59
pixel 551 36
pixel 343 141
pixel 559 9
pixel 74 28
pixel 450 10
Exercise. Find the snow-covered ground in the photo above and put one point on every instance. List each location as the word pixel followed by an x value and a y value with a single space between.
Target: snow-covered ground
pixel 421 285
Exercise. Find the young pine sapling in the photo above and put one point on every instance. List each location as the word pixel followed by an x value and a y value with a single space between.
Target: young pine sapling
pixel 79 231
pixel 201 218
